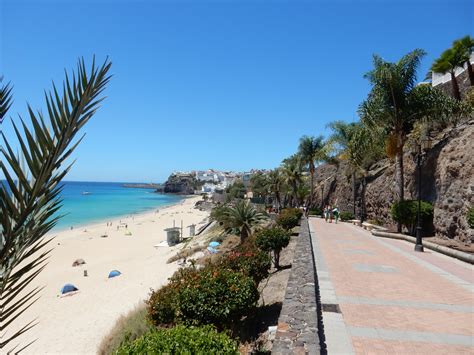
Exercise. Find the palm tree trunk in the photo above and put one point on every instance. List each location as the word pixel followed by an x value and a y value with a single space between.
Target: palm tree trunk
pixel 312 189
pixel 454 83
pixel 354 193
pixel 278 200
pixel 362 200
pixel 399 173
pixel 295 194
pixel 470 72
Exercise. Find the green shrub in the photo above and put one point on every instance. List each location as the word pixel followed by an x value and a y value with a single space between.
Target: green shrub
pixel 316 211
pixel 211 295
pixel 273 239
pixel 216 296
pixel 163 304
pixel 293 211
pixel 253 263
pixel 346 216
pixel 181 340
pixel 126 329
pixel 470 217
pixel 289 218
pixel 405 213
pixel 376 222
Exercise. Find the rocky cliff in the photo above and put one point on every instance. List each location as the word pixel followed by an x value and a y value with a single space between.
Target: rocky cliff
pixel 183 184
pixel 447 182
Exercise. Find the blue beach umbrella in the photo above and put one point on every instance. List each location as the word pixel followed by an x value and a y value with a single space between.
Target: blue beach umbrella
pixel 68 288
pixel 212 250
pixel 214 244
pixel 114 273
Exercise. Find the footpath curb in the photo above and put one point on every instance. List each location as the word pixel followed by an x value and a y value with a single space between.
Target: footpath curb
pixel 468 258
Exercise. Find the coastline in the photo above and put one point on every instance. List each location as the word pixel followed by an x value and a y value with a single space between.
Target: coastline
pixel 100 220
pixel 78 323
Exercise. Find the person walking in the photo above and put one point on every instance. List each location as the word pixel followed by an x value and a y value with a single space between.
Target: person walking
pixel 335 211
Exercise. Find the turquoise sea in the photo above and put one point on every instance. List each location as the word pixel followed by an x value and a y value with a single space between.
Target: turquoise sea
pixel 86 202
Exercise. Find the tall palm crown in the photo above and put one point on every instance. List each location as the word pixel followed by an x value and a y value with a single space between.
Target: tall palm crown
pixel 465 47
pixel 389 104
pixel 275 182
pixel 292 171
pixel 395 103
pixel 342 134
pixel 447 62
pixel 312 150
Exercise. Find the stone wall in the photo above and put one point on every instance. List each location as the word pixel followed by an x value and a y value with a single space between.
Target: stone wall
pixel 297 331
pixel 447 182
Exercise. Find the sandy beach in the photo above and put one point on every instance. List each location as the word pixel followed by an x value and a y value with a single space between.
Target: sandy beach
pixel 76 324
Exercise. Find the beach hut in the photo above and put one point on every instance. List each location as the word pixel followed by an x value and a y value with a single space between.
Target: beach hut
pixel 68 288
pixel 114 273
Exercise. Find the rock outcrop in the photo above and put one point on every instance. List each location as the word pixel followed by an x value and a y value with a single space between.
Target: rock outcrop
pixel 447 182
pixel 182 184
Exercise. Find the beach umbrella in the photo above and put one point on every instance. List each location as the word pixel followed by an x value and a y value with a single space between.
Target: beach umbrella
pixel 214 244
pixel 212 250
pixel 114 273
pixel 68 288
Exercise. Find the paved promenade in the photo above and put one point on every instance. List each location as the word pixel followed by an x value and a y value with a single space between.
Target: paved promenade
pixel 379 296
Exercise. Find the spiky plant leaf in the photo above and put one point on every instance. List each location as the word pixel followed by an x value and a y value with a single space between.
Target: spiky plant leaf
pixel 30 199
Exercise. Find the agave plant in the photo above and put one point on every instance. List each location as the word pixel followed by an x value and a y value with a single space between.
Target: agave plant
pixel 30 198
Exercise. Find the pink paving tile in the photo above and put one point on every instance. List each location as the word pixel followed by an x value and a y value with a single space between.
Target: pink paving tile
pixel 401 318
pixel 464 272
pixel 377 346
pixel 411 282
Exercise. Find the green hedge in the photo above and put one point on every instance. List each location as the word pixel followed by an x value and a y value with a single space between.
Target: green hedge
pixel 316 211
pixel 470 217
pixel 405 213
pixel 346 216
pixel 181 340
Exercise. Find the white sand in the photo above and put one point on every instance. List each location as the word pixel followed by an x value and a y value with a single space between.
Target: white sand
pixel 77 324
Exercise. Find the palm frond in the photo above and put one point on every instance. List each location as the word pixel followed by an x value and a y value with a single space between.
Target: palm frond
pixel 5 99
pixel 29 201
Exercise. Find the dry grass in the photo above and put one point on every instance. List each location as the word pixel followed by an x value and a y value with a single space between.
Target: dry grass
pixel 129 327
pixel 185 253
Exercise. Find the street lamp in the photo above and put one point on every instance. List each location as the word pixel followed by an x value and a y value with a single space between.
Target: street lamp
pixel 422 146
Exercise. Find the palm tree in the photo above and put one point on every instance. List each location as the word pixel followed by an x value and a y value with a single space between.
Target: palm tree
pixel 395 103
pixel 292 174
pixel 275 182
pixel 312 150
pixel 365 147
pixel 341 138
pixel 29 198
pixel 465 47
pixel 448 61
pixel 242 217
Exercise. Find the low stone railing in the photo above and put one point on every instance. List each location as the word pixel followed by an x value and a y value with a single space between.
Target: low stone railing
pixel 297 331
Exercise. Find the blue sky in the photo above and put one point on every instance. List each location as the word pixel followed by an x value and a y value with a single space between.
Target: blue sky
pixel 213 84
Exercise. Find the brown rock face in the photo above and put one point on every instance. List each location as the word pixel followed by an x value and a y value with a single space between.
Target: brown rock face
pixel 447 182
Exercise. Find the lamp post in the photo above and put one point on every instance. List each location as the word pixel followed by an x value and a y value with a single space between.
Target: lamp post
pixel 423 146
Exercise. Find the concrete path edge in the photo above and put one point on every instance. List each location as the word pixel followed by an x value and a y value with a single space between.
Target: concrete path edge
pixel 468 258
